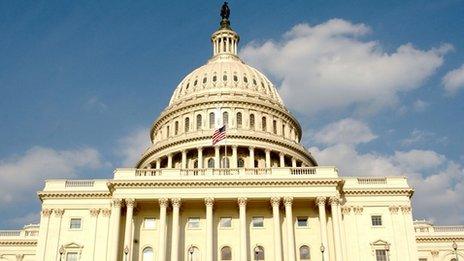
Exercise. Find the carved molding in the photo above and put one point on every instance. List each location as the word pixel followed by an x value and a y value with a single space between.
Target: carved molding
pixel 275 201
pixel 46 212
pixel 406 209
pixel 434 252
pixel 358 210
pixel 58 212
pixel 176 202
pixel 335 201
pixel 94 212
pixel 393 209
pixel 346 210
pixel 209 202
pixel 130 202
pixel 164 202
pixel 242 202
pixel 288 201
pixel 106 212
pixel 320 201
pixel 79 194
pixel 116 202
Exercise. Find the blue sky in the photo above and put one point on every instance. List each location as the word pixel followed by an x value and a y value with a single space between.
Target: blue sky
pixel 81 81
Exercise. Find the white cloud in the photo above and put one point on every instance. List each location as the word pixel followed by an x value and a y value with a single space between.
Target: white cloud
pixel 438 181
pixel 131 147
pixel 347 131
pixel 454 80
pixel 328 66
pixel 420 105
pixel 418 137
pixel 22 175
pixel 94 103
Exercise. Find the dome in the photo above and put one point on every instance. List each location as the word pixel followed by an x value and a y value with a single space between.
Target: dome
pixel 225 74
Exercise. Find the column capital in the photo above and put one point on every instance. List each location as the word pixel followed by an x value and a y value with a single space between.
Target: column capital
pixel 346 210
pixel 94 212
pixel 163 202
pixel 406 209
pixel 393 209
pixel 320 201
pixel 106 212
pixel 267 150
pixel 116 202
pixel 209 202
pixel 251 147
pixel 435 252
pixel 334 201
pixel 288 201
pixel 234 147
pixel 130 202
pixel 200 148
pixel 46 212
pixel 281 154
pixel 176 202
pixel 358 210
pixel 58 212
pixel 242 202
pixel 275 201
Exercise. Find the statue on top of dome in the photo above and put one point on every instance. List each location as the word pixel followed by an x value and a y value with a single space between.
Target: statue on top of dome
pixel 225 13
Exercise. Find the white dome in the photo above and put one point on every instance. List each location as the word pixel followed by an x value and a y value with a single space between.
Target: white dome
pixel 225 74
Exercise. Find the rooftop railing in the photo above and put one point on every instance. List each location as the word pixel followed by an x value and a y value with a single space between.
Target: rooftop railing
pixel 372 180
pixel 231 171
pixel 79 183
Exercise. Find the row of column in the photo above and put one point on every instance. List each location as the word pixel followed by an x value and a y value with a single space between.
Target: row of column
pixel 234 158
pixel 242 203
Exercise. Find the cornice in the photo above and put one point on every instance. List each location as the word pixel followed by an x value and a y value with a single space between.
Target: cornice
pixel 218 183
pixel 73 194
pixel 441 238
pixel 378 191
pixel 18 242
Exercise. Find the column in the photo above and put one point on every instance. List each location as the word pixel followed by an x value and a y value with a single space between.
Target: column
pixel 184 159
pixel 234 157
pixel 170 161
pixel 163 203
pixel 176 203
pixel 102 245
pixel 200 158
pixel 217 157
pixel 243 229
pixel 268 158
pixel 252 157
pixel 128 228
pixel 43 233
pixel 289 220
pixel 320 201
pixel 275 203
pixel 209 202
pixel 94 216
pixel 282 160
pixel 59 214
pixel 115 219
pixel 334 201
pixel 158 163
pixel 293 162
pixel 397 236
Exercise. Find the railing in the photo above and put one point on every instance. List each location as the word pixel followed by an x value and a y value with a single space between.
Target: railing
pixel 79 183
pixel 148 172
pixel 10 233
pixel 258 171
pixel 372 180
pixel 302 171
pixel 448 228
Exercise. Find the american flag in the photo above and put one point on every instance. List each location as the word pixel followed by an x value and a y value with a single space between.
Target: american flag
pixel 219 135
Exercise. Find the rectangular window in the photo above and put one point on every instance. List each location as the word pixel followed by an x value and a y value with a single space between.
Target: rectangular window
pixel 149 223
pixel 75 223
pixel 376 220
pixel 258 222
pixel 71 257
pixel 302 221
pixel 194 222
pixel 422 259
pixel 380 255
pixel 225 222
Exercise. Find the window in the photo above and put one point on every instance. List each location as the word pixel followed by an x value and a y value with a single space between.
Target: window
pixel 195 83
pixel 381 255
pixel 422 259
pixel 204 80
pixel 225 162
pixel 235 78
pixel 274 126
pixel 225 118
pixel 245 80
pixel 211 163
pixel 224 77
pixel 283 130
pixel 226 253
pixel 194 222
pixel 75 223
pixel 240 163
pixel 258 253
pixel 239 119
pixel 211 120
pixel 147 254
pixel 176 128
pixel 302 221
pixel 187 124
pixel 304 253
pixel 214 78
pixel 149 223
pixel 195 164
pixel 71 256
pixel 193 253
pixel 263 124
pixel 199 122
pixel 225 222
pixel 376 220
pixel 167 131
pixel 252 121
pixel 258 222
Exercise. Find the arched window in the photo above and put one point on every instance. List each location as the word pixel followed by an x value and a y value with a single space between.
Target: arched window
pixel 193 254
pixel 252 121
pixel 225 118
pixel 147 254
pixel 167 131
pixel 304 253
pixel 258 253
pixel 176 128
pixel 240 163
pixel 453 259
pixel 263 124
pixel 283 130
pixel 195 164
pixel 187 124
pixel 274 126
pixel 211 120
pixel 199 120
pixel 211 163
pixel 226 253
pixel 239 119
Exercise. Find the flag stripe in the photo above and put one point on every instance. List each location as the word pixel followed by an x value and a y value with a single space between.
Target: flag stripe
pixel 219 134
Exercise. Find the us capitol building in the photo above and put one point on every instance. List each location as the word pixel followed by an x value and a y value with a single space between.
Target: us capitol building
pixel 256 195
